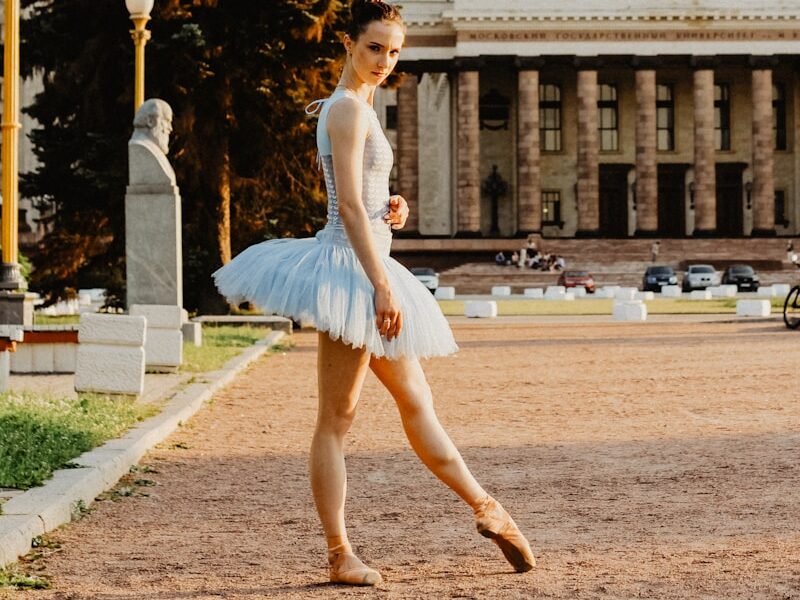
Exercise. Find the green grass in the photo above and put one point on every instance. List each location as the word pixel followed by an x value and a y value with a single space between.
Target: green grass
pixel 41 433
pixel 603 306
pixel 39 319
pixel 21 581
pixel 220 344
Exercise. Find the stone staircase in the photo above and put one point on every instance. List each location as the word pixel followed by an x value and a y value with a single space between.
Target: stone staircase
pixel 610 261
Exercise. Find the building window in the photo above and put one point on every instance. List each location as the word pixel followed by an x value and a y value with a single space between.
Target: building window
pixel 551 209
pixel 391 116
pixel 779 115
pixel 665 118
pixel 722 117
pixel 550 118
pixel 607 111
pixel 780 209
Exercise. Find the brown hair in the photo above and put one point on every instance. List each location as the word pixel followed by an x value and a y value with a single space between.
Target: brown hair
pixel 364 12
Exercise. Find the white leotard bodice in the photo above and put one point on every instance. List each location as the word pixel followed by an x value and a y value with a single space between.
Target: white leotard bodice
pixel 378 161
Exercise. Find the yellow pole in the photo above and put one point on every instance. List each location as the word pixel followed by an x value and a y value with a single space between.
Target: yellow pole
pixel 140 36
pixel 10 128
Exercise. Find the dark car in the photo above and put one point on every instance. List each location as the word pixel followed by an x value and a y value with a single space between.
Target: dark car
pixel 573 279
pixel 742 276
pixel 657 276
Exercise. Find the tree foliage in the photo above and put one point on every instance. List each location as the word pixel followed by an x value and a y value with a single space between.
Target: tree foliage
pixel 237 74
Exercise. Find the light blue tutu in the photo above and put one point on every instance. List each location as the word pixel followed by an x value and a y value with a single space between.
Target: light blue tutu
pixel 320 282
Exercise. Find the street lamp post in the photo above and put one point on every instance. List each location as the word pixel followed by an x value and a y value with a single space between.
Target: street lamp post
pixel 140 15
pixel 10 277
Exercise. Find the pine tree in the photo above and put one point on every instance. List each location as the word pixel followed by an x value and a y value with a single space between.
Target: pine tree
pixel 237 74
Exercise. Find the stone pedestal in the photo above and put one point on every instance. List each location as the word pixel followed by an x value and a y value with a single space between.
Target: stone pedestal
pixel 153 264
pixel 588 147
pixel 468 176
pixel 529 201
pixel 763 149
pixel 408 150
pixel 16 308
pixel 646 168
pixel 163 348
pixel 705 186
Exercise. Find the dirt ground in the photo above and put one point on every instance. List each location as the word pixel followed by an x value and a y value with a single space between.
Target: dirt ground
pixel 655 460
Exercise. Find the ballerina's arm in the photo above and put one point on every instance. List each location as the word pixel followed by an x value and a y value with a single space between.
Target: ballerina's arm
pixel 347 128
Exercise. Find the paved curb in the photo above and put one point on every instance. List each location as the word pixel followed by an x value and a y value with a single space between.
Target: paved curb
pixel 63 497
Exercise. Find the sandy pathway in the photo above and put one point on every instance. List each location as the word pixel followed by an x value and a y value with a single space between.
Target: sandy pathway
pixel 656 460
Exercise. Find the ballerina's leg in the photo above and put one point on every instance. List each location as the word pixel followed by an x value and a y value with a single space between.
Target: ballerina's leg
pixel 405 381
pixel 340 373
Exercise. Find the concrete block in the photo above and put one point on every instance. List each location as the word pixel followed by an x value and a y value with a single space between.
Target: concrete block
pixel 501 290
pixel 644 296
pixel 480 308
pixel 569 295
pixel 110 369
pixel 160 316
pixel 723 291
pixel 625 293
pixel 555 292
pixel 43 358
pixel 16 533
pixel 753 308
pixel 192 333
pixel 671 291
pixel 445 293
pixel 700 295
pixel 65 358
pixel 780 290
pixel 578 292
pixel 22 359
pixel 534 293
pixel 629 310
pixel 163 348
pixel 117 330
pixel 85 299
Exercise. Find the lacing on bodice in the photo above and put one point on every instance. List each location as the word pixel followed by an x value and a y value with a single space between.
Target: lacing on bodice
pixel 377 165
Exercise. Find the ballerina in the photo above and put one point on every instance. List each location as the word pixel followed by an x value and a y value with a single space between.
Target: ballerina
pixel 369 311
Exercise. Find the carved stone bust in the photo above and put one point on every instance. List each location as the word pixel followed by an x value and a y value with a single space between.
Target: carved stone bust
pixel 149 145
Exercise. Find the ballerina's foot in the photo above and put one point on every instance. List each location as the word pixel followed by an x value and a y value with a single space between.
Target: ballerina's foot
pixel 347 568
pixel 495 523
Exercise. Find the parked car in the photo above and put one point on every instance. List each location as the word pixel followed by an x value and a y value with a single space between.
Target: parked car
pixel 657 276
pixel 743 277
pixel 571 279
pixel 699 277
pixel 427 276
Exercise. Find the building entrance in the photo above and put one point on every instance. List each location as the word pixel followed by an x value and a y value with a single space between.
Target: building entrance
pixel 672 200
pixel 730 222
pixel 614 200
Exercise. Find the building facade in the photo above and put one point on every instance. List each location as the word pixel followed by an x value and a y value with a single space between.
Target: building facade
pixel 598 118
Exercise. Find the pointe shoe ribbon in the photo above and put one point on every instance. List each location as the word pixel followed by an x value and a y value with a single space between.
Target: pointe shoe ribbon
pixel 495 523
pixel 347 568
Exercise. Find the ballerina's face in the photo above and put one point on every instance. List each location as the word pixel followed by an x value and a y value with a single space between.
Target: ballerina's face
pixel 376 51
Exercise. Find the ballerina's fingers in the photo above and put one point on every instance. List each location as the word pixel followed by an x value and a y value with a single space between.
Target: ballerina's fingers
pixel 397 325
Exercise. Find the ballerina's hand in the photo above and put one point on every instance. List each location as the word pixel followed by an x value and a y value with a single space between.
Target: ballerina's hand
pixel 388 317
pixel 398 212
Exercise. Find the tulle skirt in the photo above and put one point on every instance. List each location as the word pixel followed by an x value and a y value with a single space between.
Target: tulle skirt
pixel 320 282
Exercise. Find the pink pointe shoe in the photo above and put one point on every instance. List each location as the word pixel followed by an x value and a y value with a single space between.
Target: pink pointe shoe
pixel 347 568
pixel 495 523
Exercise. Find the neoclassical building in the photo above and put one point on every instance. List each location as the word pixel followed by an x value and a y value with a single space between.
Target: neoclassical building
pixel 598 118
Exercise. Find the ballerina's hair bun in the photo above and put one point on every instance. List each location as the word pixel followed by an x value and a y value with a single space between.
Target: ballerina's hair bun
pixel 364 12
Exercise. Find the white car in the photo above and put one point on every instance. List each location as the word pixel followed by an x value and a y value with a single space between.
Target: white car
pixel 428 277
pixel 699 277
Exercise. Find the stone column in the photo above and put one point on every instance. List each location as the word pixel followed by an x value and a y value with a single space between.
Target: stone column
pixel 408 149
pixel 705 179
pixel 529 200
pixel 646 166
pixel 588 146
pixel 763 199
pixel 468 176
